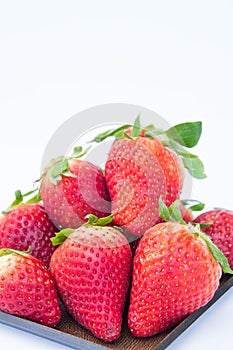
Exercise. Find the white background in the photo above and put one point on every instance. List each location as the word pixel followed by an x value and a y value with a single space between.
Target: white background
pixel 174 57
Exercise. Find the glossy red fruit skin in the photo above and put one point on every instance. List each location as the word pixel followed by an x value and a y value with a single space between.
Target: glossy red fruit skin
pixel 174 274
pixel 172 168
pixel 137 173
pixel 28 226
pixel 221 230
pixel 92 270
pixel 28 290
pixel 68 202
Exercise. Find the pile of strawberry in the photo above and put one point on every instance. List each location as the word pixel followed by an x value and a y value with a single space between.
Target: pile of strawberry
pixel 91 238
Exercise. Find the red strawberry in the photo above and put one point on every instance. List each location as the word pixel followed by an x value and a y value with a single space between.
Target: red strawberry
pixel 28 225
pixel 71 189
pixel 221 230
pixel 92 271
pixel 174 274
pixel 170 163
pixel 27 288
pixel 138 172
pixel 141 168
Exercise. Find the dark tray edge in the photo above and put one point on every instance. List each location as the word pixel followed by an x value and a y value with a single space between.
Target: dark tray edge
pixel 49 333
pixel 77 343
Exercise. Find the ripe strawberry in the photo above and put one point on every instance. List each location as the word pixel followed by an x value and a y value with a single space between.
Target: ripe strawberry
pixel 174 274
pixel 220 231
pixel 92 269
pixel 169 162
pixel 71 189
pixel 28 225
pixel 27 288
pixel 140 169
pixel 135 182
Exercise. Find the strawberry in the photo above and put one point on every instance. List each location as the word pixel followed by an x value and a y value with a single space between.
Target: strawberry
pixel 92 270
pixel 169 162
pixel 27 288
pixel 174 274
pixel 220 231
pixel 28 225
pixel 70 189
pixel 135 182
pixel 140 169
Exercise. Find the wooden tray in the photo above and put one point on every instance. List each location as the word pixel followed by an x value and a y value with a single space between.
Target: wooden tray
pixel 68 332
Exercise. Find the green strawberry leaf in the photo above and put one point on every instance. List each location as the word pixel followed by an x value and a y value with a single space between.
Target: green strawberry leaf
pixel 175 213
pixel 111 132
pixel 93 220
pixel 56 170
pixel 61 236
pixel 119 134
pixel 78 152
pixel 198 206
pixel 19 199
pixel 8 251
pixel 59 168
pixel 171 213
pixel 205 225
pixel 34 199
pixel 68 173
pixel 186 134
pixel 190 161
pixel 217 253
pixel 164 211
pixel 194 165
pixel 136 127
pixel 152 133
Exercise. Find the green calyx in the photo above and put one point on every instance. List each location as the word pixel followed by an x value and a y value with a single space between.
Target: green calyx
pixel 192 204
pixel 9 251
pixel 93 220
pixel 60 165
pixel 120 132
pixel 173 214
pixel 20 199
pixel 61 236
pixel 176 138
pixel 58 168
